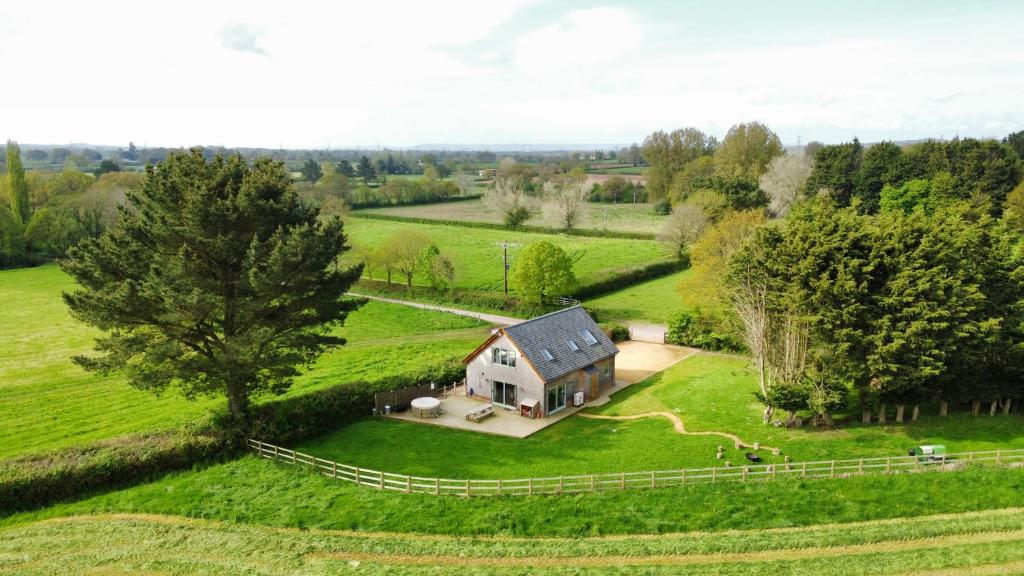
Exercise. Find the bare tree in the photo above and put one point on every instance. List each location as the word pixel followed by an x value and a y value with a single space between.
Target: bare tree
pixel 466 183
pixel 566 199
pixel 750 293
pixel 508 196
pixel 782 182
pixel 684 226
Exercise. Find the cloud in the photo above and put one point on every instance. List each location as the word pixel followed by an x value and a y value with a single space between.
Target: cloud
pixel 240 37
pixel 581 39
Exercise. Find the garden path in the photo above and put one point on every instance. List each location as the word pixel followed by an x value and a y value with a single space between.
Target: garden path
pixel 679 427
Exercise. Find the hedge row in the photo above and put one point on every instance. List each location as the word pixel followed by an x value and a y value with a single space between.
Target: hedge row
pixel 37 480
pixel 498 226
pixel 623 278
pixel 385 203
pixel 471 299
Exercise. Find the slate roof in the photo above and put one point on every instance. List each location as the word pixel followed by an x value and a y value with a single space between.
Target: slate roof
pixel 552 332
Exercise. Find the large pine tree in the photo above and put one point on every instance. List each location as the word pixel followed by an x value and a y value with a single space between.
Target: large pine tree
pixel 217 279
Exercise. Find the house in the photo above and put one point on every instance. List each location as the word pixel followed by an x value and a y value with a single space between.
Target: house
pixel 540 366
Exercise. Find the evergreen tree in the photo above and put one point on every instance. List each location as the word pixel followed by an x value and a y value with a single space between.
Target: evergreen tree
pixel 311 171
pixel 218 279
pixel 17 184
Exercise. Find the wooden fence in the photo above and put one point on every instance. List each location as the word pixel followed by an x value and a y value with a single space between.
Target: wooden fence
pixel 633 480
pixel 399 399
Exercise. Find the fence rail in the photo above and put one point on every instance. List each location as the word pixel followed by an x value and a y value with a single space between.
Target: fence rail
pixel 632 480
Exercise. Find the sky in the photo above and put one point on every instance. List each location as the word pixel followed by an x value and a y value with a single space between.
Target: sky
pixel 375 73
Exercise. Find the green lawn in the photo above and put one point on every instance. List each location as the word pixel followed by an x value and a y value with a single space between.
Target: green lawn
pixel 656 300
pixel 708 392
pixel 48 402
pixel 599 216
pixel 258 491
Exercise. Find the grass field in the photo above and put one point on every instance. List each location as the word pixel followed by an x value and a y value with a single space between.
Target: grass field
pixel 143 544
pixel 599 216
pixel 48 402
pixel 256 491
pixel 478 257
pixel 656 300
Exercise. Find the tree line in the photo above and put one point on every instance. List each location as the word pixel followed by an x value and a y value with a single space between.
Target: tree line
pixel 869 278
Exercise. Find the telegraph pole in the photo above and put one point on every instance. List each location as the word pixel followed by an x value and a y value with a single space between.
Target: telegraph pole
pixel 504 248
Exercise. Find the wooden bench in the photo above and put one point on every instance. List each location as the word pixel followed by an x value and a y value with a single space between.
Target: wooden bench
pixel 480 413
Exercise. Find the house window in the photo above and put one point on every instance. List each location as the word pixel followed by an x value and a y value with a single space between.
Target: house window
pixel 588 337
pixel 572 344
pixel 607 370
pixel 504 394
pixel 556 398
pixel 546 354
pixel 503 357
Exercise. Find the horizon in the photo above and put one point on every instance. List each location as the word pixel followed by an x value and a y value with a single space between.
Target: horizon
pixel 524 73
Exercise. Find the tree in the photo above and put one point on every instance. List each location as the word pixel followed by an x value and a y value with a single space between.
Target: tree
pixel 105 167
pixel 17 186
pixel 783 181
pixel 699 174
pixel 466 183
pixel 710 255
pixel 218 280
pixel 746 151
pixel 566 199
pixel 311 171
pixel 404 253
pixel 881 164
pixel 345 169
pixel 684 226
pixel 365 169
pixel 713 203
pixel 1013 208
pixel 508 196
pixel 1016 141
pixel 835 169
pixel 668 153
pixel 542 270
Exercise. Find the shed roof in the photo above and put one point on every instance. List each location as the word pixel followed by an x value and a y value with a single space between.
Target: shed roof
pixel 552 333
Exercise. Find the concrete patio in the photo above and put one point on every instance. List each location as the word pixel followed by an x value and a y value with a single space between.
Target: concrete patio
pixel 635 361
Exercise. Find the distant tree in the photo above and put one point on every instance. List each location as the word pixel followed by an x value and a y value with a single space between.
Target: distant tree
pixel 345 169
pixel 614 189
pixel 783 181
pixel 566 199
pixel 17 186
pixel 132 153
pixel 365 169
pixel 741 194
pixel 746 151
pixel 404 252
pixel 882 164
pixel 599 155
pixel 105 167
pixel 696 175
pixel 683 227
pixel 710 255
pixel 542 270
pixel 36 155
pixel 59 155
pixel 311 171
pixel 668 152
pixel 466 183
pixel 91 155
pixel 508 196
pixel 1013 210
pixel 811 148
pixel 218 281
pixel 711 202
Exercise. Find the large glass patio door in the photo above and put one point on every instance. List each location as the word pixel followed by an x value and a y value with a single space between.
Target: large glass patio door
pixel 556 398
pixel 504 394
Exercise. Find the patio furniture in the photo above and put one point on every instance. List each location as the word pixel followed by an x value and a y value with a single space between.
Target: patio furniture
pixel 480 413
pixel 427 406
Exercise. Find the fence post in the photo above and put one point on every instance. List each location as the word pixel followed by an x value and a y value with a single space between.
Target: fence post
pixel 593 485
pixel 408 484
pixel 860 467
pixel 259 447
pixel 334 469
pixel 998 461
pixel 357 476
pixel 529 486
pixel 803 471
pixel 888 464
pixel 468 494
pixel 714 472
pixel 682 477
pixel 294 458
pixel 277 456
pixel 437 485
pixel 744 476
pixel 832 470
pixel 561 484
pixel 499 486
pixel 773 471
pixel 622 481
pixel 654 481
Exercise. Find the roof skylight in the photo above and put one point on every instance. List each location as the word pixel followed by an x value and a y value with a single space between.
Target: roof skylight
pixel 588 337
pixel 546 354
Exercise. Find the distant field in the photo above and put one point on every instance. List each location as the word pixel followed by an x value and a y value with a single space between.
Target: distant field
pixel 620 217
pixel 478 257
pixel 634 170
pixel 48 402
pixel 655 301
pixel 971 543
